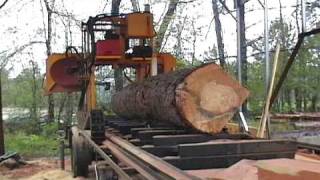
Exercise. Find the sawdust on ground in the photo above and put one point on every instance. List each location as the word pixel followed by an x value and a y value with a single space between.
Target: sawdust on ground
pixel 38 169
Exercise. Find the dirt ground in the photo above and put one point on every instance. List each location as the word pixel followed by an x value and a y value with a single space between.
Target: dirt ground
pixel 38 169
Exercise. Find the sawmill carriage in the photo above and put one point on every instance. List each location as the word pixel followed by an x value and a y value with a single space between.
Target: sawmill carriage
pixel 167 121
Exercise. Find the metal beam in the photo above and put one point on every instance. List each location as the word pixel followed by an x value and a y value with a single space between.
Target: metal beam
pixel 97 149
pixel 151 160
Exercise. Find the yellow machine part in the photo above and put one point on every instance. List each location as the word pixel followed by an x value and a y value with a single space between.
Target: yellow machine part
pixel 49 83
pixel 140 25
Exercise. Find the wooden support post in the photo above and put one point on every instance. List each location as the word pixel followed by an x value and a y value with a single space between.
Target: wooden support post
pixel 265 114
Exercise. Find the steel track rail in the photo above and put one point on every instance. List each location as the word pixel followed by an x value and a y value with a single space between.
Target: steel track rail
pixel 133 162
pixel 160 168
pixel 108 160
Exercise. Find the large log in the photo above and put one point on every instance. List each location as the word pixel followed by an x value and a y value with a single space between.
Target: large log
pixel 204 98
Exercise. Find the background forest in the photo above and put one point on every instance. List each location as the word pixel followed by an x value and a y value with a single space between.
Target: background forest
pixel 195 31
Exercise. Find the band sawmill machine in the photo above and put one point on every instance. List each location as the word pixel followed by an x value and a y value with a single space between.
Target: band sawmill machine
pixel 167 120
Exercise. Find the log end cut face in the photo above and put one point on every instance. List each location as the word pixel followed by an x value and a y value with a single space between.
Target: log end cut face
pixel 208 98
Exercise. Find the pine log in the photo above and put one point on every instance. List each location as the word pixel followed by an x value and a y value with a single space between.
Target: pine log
pixel 204 98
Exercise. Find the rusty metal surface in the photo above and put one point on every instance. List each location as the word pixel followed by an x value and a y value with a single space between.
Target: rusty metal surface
pixel 124 157
pixel 275 169
pixel 98 150
pixel 151 160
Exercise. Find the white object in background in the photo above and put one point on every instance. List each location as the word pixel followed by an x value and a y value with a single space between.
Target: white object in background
pixel 244 122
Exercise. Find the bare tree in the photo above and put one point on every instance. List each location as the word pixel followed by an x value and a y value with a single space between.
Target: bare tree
pixel 135 5
pixel 218 30
pixel 2 149
pixel 118 76
pixel 178 45
pixel 4 59
pixel 165 23
pixel 34 105
pixel 48 37
pixel 3 4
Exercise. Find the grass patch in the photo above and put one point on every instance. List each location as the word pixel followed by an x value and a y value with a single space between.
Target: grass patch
pixel 31 145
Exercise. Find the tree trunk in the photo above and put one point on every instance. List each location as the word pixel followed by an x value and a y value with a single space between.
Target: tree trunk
pixel 135 5
pixel 118 76
pixel 49 51
pixel 204 98
pixel 298 100
pixel 165 23
pixel 34 107
pixel 314 101
pixel 69 110
pixel 218 30
pixel 61 108
pixel 2 149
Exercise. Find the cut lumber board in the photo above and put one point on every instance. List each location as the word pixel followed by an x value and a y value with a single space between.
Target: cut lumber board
pixel 203 98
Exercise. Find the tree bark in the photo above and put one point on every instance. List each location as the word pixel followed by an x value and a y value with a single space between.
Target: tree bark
pixel 218 30
pixel 2 149
pixel 204 98
pixel 49 51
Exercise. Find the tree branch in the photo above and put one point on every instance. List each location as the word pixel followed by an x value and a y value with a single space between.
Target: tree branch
pixel 3 4
pixel 16 51
pixel 227 9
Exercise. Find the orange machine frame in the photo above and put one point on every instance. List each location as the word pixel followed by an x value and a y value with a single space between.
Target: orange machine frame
pixel 137 26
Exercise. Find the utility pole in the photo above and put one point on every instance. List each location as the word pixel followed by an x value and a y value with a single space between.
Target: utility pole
pixel 241 56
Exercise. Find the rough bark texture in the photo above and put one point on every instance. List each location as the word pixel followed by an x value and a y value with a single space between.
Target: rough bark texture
pixel 204 98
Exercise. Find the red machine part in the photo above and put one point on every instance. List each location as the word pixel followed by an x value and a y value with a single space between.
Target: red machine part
pixel 64 72
pixel 110 47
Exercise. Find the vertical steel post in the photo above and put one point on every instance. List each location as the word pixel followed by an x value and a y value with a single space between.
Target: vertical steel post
pixel 238 44
pixel 239 65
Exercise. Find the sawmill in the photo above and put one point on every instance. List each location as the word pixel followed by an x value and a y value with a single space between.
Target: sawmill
pixel 167 123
